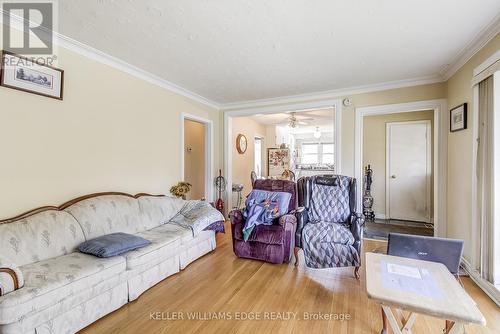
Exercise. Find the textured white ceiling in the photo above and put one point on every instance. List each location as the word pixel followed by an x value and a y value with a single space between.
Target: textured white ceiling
pixel 239 50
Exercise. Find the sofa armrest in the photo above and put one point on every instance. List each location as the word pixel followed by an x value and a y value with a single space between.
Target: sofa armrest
pixel 357 222
pixel 289 219
pixel 11 277
pixel 302 219
pixel 236 217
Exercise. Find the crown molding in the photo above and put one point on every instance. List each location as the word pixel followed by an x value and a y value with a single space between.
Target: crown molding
pixel 330 94
pixel 104 58
pixel 473 47
pixel 121 65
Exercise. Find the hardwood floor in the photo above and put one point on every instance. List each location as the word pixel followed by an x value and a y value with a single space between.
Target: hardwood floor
pixel 219 284
pixel 380 228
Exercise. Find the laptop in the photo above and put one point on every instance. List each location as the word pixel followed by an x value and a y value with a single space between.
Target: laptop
pixel 442 250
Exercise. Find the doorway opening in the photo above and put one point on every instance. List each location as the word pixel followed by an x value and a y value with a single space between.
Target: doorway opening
pixel 398 148
pixel 306 137
pixel 197 156
pixel 401 145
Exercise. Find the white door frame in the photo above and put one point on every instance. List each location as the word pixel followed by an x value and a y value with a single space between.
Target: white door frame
pixel 209 151
pixel 262 152
pixel 441 121
pixel 273 109
pixel 388 167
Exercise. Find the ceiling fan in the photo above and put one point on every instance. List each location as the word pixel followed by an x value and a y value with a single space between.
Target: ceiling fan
pixel 294 120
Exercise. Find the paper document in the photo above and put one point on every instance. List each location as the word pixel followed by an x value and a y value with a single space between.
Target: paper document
pixel 409 279
pixel 407 271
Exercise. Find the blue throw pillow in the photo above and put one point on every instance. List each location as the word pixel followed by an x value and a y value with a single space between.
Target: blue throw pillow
pixel 112 244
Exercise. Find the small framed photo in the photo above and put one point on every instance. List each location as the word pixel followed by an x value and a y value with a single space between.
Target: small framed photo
pixel 458 118
pixel 27 75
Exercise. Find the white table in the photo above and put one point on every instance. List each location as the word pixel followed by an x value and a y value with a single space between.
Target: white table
pixel 418 287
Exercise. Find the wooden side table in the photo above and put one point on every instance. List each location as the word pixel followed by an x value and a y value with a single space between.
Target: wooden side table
pixel 418 287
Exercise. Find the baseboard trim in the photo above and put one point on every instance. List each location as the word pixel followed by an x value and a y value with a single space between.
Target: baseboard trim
pixel 379 215
pixel 483 284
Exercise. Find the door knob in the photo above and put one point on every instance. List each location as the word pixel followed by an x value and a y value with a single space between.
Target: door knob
pixel 393 176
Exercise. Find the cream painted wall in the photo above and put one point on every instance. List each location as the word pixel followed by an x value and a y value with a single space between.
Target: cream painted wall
pixel 400 95
pixel 112 132
pixel 243 164
pixel 460 160
pixel 194 158
pixel 374 150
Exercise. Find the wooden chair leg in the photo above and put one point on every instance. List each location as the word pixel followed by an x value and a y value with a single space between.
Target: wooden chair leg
pixel 356 272
pixel 384 322
pixel 296 253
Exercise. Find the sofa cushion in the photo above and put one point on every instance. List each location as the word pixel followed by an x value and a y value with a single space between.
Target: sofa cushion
pixel 40 237
pixel 112 244
pixel 330 233
pixel 70 302
pixel 185 235
pixel 165 243
pixel 50 281
pixel 157 210
pixel 266 234
pixel 107 214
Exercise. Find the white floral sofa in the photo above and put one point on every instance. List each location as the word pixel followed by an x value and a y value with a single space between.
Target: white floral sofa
pixel 64 290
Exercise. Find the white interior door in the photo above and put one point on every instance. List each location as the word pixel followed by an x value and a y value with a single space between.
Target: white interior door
pixel 408 170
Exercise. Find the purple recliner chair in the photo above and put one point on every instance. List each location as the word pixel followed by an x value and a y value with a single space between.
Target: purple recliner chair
pixel 270 243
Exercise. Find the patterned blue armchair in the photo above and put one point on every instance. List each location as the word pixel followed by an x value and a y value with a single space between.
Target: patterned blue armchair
pixel 329 230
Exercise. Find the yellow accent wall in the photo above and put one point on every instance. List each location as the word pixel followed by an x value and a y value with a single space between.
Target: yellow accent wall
pixel 112 132
pixel 243 164
pixel 400 95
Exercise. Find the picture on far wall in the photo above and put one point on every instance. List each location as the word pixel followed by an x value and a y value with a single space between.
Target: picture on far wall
pixel 278 160
pixel 458 118
pixel 27 75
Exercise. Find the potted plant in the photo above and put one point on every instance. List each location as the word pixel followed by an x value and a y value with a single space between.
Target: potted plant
pixel 180 189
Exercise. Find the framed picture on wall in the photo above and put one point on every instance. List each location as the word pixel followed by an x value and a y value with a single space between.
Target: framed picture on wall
pixel 278 160
pixel 458 118
pixel 27 75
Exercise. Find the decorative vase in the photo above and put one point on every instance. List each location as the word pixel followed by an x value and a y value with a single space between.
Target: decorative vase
pixel 367 197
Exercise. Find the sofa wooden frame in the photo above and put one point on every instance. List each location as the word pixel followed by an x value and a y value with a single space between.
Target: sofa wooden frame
pixel 71 202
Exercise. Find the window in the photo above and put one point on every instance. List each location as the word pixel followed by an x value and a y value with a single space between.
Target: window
pixel 310 153
pixel 317 153
pixel 327 154
pixel 258 157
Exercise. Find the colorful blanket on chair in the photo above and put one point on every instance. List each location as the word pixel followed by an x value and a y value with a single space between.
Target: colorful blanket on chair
pixel 262 208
